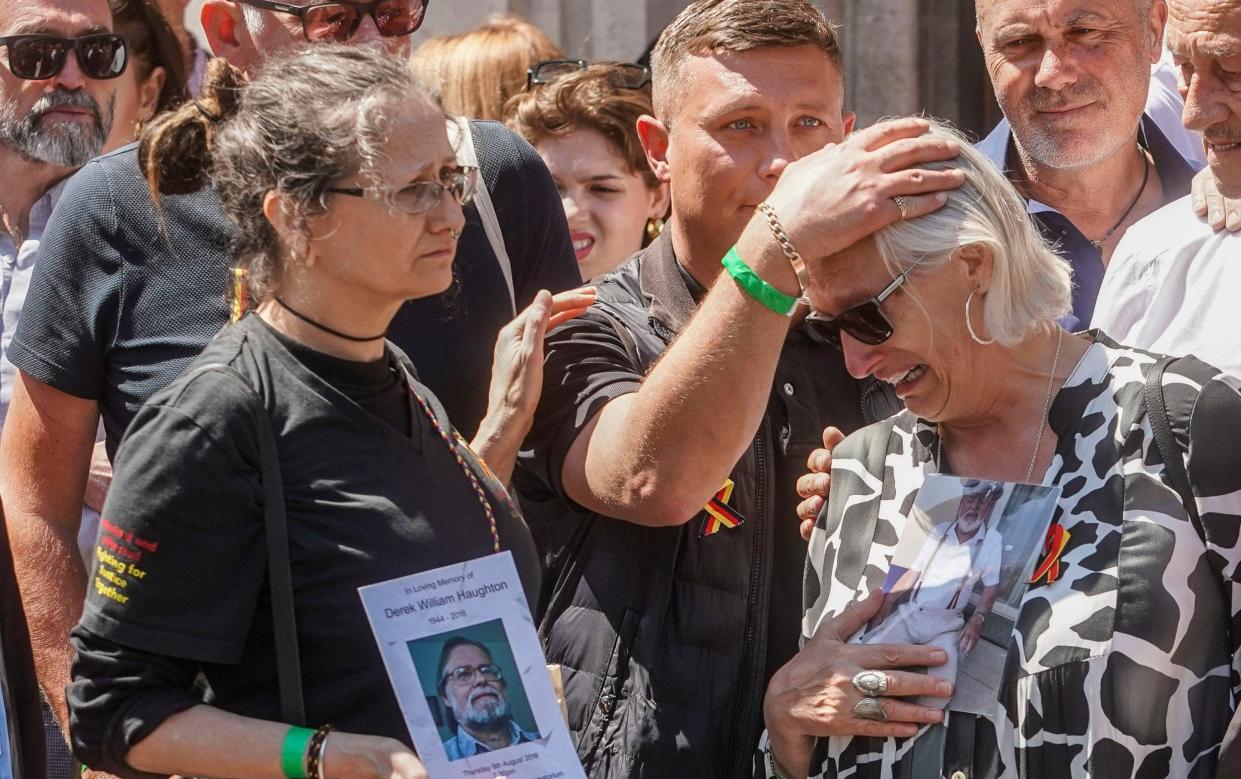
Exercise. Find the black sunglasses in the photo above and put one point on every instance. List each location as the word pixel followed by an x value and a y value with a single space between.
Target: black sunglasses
pixel 338 21
pixel 626 75
pixel 37 57
pixel 866 321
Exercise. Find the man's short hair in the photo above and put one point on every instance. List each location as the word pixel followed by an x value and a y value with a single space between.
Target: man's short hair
pixel 715 26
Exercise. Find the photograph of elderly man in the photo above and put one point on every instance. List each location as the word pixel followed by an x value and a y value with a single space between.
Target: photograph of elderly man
pixel 474 691
pixel 927 603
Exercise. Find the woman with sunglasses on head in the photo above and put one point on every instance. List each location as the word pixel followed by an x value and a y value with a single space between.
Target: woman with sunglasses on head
pixel 582 120
pixel 1124 658
pixel 476 72
pixel 336 166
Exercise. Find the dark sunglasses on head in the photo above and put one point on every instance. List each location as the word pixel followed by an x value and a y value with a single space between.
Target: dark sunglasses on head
pixel 866 321
pixel 37 57
pixel 338 21
pixel 626 75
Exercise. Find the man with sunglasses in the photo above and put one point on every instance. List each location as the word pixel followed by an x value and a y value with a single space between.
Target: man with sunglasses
pixel 57 62
pixel 56 95
pixel 127 296
pixel 678 411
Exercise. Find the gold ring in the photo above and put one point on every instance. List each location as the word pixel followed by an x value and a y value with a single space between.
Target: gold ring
pixel 902 205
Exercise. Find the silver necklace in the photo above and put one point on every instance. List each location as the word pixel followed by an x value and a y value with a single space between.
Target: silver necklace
pixel 1038 443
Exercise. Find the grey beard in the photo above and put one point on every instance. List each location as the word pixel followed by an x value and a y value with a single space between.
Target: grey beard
pixel 66 144
pixel 487 717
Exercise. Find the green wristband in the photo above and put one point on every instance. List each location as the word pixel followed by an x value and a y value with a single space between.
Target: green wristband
pixel 755 287
pixel 293 752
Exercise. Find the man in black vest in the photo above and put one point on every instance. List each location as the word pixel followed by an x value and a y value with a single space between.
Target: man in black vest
pixel 677 413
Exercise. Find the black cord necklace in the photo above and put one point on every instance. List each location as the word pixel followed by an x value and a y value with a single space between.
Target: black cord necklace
pixel 1146 174
pixel 327 329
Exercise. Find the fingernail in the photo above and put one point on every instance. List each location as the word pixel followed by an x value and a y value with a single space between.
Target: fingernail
pixel 943 689
pixel 1232 216
pixel 939 656
pixel 941 197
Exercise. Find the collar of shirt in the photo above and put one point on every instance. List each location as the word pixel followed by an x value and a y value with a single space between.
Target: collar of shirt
pixel 947 533
pixel 1174 172
pixel 12 254
pixel 468 746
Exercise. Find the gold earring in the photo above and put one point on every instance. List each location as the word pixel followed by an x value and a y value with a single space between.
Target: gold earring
pixel 654 228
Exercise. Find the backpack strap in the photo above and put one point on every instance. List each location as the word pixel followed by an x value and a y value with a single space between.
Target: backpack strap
pixel 279 570
pixel 1166 443
pixel 467 154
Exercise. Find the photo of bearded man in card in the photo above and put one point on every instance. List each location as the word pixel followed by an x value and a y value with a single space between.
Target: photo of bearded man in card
pixel 928 601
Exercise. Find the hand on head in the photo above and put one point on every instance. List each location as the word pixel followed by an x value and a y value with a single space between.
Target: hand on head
pixel 835 197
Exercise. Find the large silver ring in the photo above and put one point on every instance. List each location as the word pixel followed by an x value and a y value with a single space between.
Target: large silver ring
pixel 902 204
pixel 871 682
pixel 870 708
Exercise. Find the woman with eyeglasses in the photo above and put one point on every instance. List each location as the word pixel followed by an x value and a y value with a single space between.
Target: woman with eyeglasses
pixel 1123 661
pixel 336 166
pixel 582 119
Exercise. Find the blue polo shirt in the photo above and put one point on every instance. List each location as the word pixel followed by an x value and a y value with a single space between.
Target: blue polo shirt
pixel 1174 171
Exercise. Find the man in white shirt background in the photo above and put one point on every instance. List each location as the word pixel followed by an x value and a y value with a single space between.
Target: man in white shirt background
pixel 1172 285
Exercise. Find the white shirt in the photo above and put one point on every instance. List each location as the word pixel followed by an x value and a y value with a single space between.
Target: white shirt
pixel 16 267
pixel 948 566
pixel 1174 287
pixel 1165 106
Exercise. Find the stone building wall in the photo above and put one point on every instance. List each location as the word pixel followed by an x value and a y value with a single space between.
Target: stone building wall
pixel 901 56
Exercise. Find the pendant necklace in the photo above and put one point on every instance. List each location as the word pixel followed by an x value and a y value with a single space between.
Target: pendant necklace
pixel 1146 174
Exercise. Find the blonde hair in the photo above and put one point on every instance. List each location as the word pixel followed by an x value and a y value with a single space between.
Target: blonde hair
pixel 1031 285
pixel 476 72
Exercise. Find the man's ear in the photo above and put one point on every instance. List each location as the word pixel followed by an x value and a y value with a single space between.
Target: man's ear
pixel 653 135
pixel 848 122
pixel 226 32
pixel 1158 20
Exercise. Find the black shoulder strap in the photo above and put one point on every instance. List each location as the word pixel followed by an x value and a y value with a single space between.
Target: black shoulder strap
pixel 1165 441
pixel 279 571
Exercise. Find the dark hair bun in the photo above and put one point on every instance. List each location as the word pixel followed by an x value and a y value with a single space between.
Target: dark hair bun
pixel 175 151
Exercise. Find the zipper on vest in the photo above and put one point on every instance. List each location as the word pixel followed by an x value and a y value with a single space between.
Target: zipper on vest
pixel 754 654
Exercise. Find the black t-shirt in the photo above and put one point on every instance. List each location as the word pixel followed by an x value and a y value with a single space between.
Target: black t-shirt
pixel 122 299
pixel 181 561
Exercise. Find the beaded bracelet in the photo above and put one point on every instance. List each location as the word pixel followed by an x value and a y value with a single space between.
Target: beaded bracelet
pixel 315 751
pixel 756 287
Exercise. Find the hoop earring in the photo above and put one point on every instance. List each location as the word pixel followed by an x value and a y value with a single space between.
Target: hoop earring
pixel 969 325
